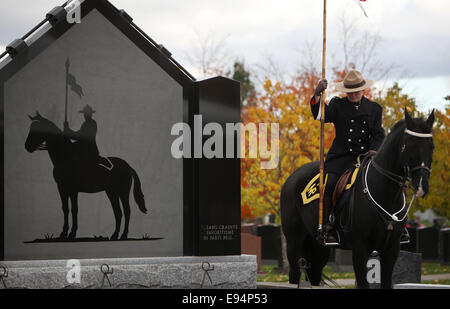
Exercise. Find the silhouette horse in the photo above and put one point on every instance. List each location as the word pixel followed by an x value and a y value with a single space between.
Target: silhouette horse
pixel 73 176
pixel 376 212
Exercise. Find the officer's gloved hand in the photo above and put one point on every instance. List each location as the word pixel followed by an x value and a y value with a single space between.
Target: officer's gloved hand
pixel 371 153
pixel 323 84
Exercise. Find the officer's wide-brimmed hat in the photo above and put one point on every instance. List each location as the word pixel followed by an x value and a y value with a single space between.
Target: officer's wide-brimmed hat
pixel 353 82
pixel 87 110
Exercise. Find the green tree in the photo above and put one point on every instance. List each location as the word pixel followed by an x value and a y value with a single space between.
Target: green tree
pixel 394 103
pixel 247 87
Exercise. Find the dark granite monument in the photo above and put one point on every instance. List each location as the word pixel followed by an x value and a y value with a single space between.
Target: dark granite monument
pixel 88 169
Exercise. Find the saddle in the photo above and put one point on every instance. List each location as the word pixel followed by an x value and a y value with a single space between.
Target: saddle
pixel 105 162
pixel 345 182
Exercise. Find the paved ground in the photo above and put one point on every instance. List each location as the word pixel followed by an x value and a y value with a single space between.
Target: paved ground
pixel 340 282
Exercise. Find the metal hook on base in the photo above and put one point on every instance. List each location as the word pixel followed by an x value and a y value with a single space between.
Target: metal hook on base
pixel 106 271
pixel 3 274
pixel 206 266
pixel 303 266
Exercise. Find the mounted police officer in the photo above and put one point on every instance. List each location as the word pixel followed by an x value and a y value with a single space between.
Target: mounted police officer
pixel 358 127
pixel 86 145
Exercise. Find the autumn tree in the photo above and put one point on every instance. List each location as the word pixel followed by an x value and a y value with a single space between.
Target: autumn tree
pixel 439 195
pixel 394 103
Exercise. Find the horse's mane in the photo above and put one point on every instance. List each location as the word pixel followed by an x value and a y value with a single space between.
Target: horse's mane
pixel 393 138
pixel 394 134
pixel 51 124
pixel 419 124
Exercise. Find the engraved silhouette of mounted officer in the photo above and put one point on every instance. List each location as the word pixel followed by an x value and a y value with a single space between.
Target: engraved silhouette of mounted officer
pixel 85 145
pixel 77 167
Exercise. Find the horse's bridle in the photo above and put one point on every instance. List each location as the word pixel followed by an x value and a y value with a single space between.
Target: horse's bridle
pixel 409 170
pixel 401 180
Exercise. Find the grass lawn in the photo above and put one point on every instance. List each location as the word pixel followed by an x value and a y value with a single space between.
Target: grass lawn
pixel 271 273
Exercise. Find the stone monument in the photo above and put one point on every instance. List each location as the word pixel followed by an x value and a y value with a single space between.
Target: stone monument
pixel 92 109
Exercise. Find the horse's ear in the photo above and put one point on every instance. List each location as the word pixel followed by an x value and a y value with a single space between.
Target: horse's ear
pixel 408 119
pixel 430 119
pixel 31 118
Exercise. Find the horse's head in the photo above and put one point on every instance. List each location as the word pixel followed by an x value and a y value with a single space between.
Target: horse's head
pixel 40 130
pixel 417 151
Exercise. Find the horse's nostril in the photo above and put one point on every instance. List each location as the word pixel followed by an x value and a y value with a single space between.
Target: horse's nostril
pixel 420 192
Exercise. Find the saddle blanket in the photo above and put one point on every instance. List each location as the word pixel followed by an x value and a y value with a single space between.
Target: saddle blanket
pixel 311 191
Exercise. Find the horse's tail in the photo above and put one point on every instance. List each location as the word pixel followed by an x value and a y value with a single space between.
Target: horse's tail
pixel 137 191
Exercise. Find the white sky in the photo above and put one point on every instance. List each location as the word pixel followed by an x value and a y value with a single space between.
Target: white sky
pixel 415 33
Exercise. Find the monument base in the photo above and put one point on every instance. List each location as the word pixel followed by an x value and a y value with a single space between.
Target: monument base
pixel 224 272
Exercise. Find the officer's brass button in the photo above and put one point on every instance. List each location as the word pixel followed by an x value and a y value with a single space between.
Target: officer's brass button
pixel 349 139
pixel 353 121
pixel 362 131
pixel 362 147
pixel 351 130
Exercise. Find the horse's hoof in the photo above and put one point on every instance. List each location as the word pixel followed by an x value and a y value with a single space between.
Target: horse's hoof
pixel 123 237
pixel 72 235
pixel 63 236
pixel 113 237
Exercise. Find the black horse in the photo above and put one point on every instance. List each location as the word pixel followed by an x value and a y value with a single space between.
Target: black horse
pixel 376 213
pixel 73 176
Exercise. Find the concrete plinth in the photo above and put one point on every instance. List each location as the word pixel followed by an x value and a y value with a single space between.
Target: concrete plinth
pixel 229 272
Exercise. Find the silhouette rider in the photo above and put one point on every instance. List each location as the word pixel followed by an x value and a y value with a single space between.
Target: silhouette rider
pixel 85 145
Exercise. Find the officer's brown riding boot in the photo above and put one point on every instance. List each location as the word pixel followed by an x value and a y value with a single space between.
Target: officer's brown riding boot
pixel 330 234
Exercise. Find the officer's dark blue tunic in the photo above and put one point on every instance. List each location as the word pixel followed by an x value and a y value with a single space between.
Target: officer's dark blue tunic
pixel 358 130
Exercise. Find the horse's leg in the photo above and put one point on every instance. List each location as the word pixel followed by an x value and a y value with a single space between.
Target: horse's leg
pixel 293 248
pixel 125 199
pixel 387 262
pixel 295 236
pixel 360 256
pixel 318 256
pixel 74 208
pixel 65 207
pixel 115 203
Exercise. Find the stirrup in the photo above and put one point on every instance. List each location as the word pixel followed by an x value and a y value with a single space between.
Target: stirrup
pixel 331 244
pixel 407 238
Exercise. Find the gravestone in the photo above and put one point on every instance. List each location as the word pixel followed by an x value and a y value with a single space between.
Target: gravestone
pixel 342 261
pixel 423 240
pixel 270 242
pixel 444 247
pixel 109 102
pixel 251 244
pixel 407 269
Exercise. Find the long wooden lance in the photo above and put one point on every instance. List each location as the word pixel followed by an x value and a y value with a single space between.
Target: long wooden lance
pixel 322 119
pixel 67 86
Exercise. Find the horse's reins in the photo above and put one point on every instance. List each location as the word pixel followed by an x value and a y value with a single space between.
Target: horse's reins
pixel 401 180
